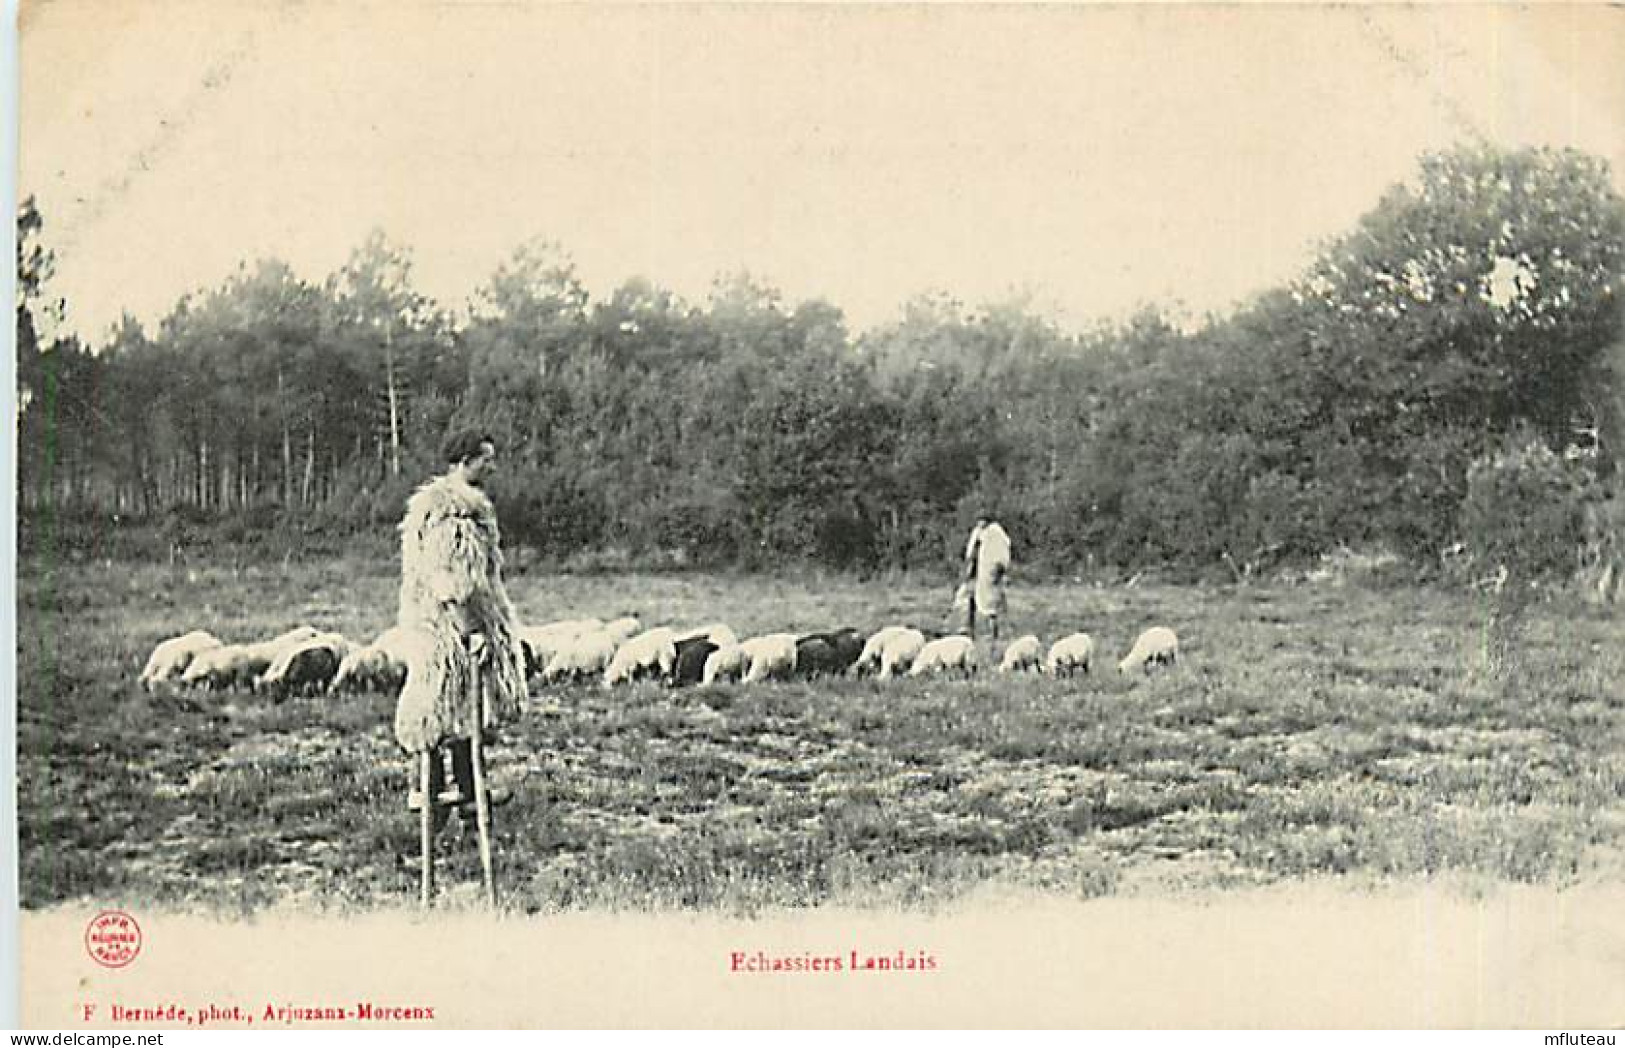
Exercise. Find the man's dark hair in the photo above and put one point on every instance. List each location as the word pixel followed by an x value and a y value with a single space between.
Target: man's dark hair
pixel 464 444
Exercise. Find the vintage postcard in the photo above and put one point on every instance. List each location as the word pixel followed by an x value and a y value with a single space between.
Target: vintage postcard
pixel 860 516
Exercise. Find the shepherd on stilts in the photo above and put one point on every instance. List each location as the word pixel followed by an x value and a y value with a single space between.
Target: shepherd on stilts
pixel 470 678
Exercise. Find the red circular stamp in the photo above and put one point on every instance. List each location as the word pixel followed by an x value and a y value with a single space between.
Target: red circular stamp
pixel 113 939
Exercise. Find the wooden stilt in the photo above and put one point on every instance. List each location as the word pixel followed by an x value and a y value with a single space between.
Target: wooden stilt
pixel 482 796
pixel 426 825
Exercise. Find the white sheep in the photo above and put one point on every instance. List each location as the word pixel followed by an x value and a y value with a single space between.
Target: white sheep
pixel 382 664
pixel 541 643
pixel 239 664
pixel 727 663
pixel 889 651
pixel 955 652
pixel 1023 653
pixel 718 633
pixel 1156 646
pixel 226 666
pixel 367 667
pixel 270 649
pixel 584 655
pixel 623 629
pixel 1070 654
pixel 171 657
pixel 772 657
pixel 304 665
pixel 650 651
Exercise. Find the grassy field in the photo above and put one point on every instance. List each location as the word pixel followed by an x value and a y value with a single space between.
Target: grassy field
pixel 1312 731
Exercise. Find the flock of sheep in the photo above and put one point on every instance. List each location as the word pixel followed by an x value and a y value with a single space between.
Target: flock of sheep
pixel 305 660
pixel 301 660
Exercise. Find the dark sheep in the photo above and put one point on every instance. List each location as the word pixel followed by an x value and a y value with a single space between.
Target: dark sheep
pixel 848 644
pixel 827 654
pixel 690 664
pixel 815 657
pixel 309 671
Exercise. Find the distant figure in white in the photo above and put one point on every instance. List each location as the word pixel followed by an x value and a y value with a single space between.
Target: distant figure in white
pixel 987 563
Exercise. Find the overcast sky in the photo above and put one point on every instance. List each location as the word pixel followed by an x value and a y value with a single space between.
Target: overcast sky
pixel 1098 158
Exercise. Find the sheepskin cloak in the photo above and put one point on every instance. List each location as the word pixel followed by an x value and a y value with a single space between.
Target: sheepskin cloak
pixel 451 588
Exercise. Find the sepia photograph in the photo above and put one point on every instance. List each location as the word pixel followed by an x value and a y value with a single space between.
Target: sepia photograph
pixel 538 515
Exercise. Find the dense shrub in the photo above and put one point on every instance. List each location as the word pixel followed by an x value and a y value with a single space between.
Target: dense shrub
pixel 1525 509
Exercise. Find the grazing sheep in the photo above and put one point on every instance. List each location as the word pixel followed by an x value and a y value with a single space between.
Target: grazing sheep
pixel 237 665
pixel 541 643
pixel 584 655
pixel 1070 654
pixel 727 663
pixel 869 657
pixel 1156 646
pixel 815 657
pixel 228 666
pixel 171 657
pixel 381 665
pixel 718 633
pixel 848 644
pixel 945 654
pixel 772 657
pixel 368 668
pixel 1024 653
pixel 827 654
pixel 305 666
pixel 889 651
pixel 652 651
pixel 273 647
pixel 306 669
pixel 623 629
pixel 692 655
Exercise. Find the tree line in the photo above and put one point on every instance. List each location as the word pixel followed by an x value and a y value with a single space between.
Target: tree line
pixel 1398 394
